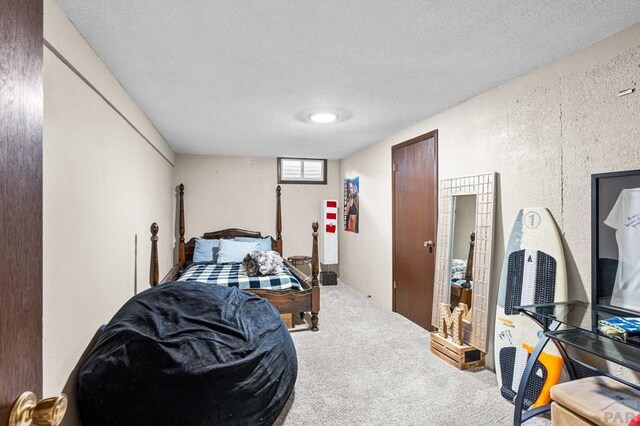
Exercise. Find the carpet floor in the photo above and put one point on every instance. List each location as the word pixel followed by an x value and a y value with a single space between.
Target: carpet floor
pixel 368 366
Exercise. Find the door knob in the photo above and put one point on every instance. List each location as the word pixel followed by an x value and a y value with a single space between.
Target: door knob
pixel 430 245
pixel 29 411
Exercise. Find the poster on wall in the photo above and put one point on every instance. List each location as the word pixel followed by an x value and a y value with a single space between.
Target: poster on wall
pixel 616 260
pixel 352 205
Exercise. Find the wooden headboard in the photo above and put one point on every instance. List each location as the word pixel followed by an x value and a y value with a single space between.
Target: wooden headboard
pixel 225 234
pixel 185 250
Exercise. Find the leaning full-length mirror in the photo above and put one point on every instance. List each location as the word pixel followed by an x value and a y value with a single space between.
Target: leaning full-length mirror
pixel 464 252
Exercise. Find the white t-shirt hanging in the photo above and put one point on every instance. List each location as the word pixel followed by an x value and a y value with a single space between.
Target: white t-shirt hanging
pixel 625 219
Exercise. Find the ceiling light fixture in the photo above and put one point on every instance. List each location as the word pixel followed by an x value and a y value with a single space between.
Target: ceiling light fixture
pixel 323 117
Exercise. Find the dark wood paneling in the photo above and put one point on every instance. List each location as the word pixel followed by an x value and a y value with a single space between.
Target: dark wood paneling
pixel 415 214
pixel 21 110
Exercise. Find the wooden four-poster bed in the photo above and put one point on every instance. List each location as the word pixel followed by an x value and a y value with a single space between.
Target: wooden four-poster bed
pixel 287 301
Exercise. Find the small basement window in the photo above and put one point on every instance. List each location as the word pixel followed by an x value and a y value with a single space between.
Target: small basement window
pixel 302 170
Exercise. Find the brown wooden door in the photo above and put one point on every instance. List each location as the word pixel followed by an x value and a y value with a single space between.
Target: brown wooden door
pixel 21 107
pixel 415 216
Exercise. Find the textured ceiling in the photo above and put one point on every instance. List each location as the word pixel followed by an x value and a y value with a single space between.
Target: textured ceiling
pixel 230 77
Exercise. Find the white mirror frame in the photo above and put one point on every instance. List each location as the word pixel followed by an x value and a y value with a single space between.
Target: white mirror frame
pixel 483 186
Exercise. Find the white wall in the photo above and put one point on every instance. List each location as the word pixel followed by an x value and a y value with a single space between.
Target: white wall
pixel 240 192
pixel 545 133
pixel 104 184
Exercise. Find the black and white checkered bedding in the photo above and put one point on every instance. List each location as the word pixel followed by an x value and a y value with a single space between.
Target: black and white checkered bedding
pixel 233 275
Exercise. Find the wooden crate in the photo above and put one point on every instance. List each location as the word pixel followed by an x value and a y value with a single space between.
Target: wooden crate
pixel 460 356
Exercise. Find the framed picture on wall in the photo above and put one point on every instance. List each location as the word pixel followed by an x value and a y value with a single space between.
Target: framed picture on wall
pixel 352 205
pixel 615 229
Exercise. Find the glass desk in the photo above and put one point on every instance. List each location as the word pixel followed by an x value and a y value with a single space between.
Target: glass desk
pixel 575 324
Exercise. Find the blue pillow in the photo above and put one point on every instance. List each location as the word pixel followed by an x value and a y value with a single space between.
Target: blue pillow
pixel 264 244
pixel 206 250
pixel 234 251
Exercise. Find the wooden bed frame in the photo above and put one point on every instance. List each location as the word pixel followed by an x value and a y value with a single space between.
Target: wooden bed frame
pixel 286 301
pixel 464 293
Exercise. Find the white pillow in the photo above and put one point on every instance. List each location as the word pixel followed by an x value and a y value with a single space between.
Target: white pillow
pixel 234 251
pixel 205 250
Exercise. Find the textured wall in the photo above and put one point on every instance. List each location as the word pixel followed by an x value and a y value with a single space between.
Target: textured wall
pixel 545 133
pixel 103 186
pixel 239 192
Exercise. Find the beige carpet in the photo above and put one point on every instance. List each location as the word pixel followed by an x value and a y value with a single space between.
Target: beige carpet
pixel 367 366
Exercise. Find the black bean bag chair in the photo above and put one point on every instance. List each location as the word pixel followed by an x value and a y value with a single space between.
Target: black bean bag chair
pixel 189 354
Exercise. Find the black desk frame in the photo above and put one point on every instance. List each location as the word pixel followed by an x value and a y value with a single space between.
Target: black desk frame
pixel 550 328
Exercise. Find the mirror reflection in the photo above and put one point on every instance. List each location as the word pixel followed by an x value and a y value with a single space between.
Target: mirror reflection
pixel 463 225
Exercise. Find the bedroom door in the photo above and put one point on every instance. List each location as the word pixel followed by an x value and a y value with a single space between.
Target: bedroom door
pixel 415 216
pixel 21 107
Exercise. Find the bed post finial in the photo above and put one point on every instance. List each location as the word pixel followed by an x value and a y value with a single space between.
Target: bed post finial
pixel 279 219
pixel 181 248
pixel 468 274
pixel 154 272
pixel 315 285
